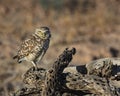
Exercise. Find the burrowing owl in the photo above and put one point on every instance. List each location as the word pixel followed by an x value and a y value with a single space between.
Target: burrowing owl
pixel 34 48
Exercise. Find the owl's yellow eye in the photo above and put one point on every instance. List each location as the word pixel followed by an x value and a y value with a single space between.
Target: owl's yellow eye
pixel 39 32
pixel 42 34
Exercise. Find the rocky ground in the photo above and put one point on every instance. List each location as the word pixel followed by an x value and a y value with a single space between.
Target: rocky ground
pixel 92 27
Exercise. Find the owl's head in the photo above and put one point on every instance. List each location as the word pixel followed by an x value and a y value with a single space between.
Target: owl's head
pixel 43 32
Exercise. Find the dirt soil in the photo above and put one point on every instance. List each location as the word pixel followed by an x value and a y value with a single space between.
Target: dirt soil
pixel 91 26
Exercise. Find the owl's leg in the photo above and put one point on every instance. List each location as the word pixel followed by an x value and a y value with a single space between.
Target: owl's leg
pixel 35 65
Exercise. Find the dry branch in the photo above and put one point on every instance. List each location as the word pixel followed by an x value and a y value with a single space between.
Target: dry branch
pixel 55 82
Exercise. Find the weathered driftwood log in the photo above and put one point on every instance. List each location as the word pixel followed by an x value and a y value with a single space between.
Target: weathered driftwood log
pixel 90 84
pixel 52 81
pixel 34 81
pixel 106 67
pixel 55 82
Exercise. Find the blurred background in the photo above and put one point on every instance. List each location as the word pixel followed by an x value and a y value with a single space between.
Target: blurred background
pixel 91 26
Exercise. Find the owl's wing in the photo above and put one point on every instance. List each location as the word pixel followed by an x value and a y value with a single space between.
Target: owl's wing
pixel 46 45
pixel 42 51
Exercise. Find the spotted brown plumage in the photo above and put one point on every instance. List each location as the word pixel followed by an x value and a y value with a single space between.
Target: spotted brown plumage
pixel 34 48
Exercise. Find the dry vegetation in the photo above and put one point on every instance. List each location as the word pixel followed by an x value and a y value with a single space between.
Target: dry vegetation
pixel 91 26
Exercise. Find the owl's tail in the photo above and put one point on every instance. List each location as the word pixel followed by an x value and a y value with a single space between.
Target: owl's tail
pixel 15 57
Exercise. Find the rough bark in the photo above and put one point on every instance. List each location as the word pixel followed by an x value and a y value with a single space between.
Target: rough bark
pixel 94 79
